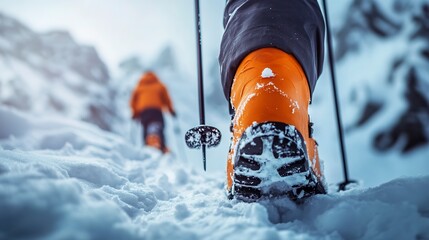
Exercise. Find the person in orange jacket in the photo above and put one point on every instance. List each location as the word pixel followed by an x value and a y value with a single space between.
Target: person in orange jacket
pixel 149 99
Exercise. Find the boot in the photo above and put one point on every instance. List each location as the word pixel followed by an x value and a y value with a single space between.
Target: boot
pixel 272 152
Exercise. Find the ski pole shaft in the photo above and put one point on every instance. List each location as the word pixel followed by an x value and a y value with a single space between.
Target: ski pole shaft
pixel 200 73
pixel 334 88
pixel 204 157
pixel 199 62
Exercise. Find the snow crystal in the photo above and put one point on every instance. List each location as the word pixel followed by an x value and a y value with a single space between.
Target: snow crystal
pixel 267 73
pixel 294 105
pixel 259 86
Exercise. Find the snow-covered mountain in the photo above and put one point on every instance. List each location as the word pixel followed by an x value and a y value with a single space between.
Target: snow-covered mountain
pixel 382 73
pixel 49 73
pixel 399 81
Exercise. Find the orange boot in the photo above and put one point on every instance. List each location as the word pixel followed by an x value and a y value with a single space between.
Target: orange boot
pixel 272 152
pixel 153 140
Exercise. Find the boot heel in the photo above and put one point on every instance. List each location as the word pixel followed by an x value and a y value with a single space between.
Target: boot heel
pixel 271 160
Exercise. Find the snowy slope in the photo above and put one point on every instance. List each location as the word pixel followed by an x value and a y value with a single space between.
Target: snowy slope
pixel 50 74
pixel 373 107
pixel 66 179
pixel 71 92
pixel 62 179
pixel 183 91
pixel 382 82
pixel 393 34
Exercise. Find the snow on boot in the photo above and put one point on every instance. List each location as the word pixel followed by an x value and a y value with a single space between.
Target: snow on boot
pixel 272 152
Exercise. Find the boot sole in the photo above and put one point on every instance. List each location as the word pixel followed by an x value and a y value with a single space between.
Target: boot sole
pixel 271 161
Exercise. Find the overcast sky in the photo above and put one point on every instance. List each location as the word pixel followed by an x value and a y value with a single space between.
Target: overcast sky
pixel 122 28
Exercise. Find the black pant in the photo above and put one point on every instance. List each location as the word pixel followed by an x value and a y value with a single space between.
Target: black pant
pixel 153 123
pixel 293 26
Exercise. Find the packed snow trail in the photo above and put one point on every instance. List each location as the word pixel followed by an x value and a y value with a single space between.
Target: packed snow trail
pixel 68 180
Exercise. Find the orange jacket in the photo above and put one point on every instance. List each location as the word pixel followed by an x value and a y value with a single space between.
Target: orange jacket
pixel 150 93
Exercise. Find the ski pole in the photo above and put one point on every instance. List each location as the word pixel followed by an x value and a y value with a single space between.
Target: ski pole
pixel 200 74
pixel 343 185
pixel 201 136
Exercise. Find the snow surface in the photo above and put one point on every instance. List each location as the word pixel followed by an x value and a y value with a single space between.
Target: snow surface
pixel 63 179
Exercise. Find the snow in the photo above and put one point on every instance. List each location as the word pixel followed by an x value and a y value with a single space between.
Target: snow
pixel 202 135
pixel 65 179
pixel 267 73
pixel 269 174
pixel 61 179
pixel 181 81
pixel 361 81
